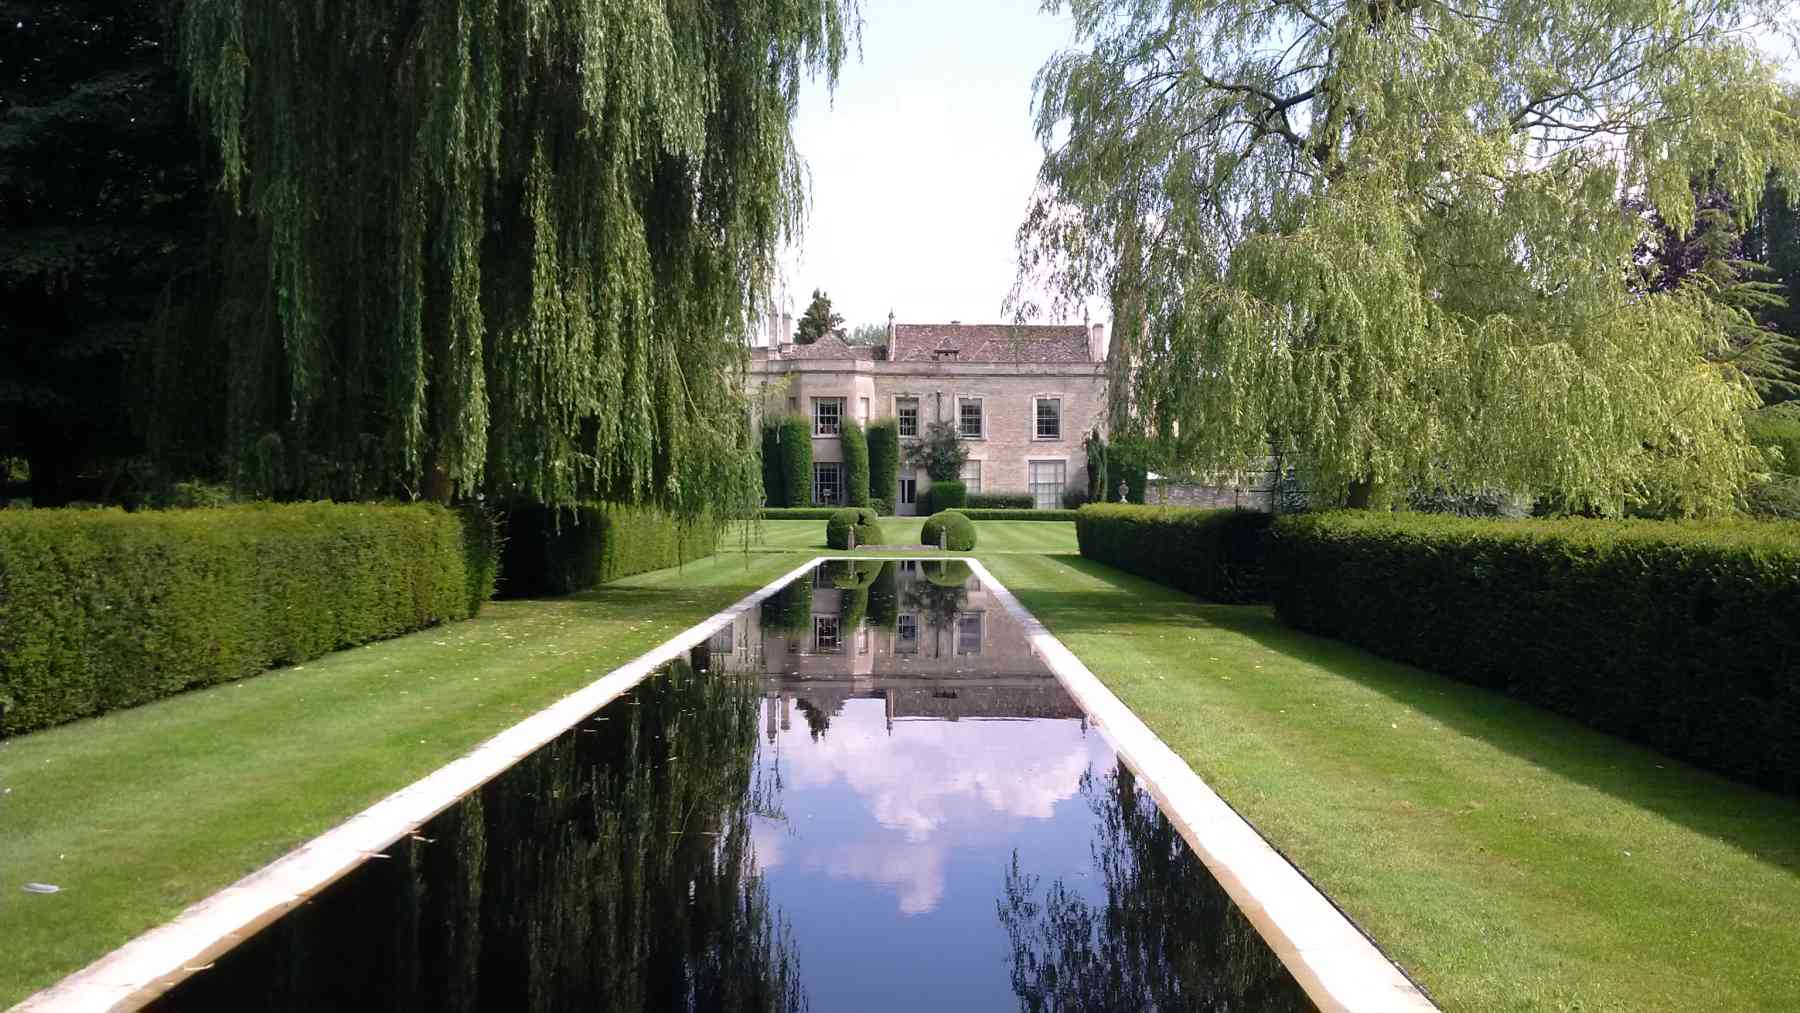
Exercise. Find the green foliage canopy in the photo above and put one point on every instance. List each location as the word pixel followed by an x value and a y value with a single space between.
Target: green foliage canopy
pixel 502 245
pixel 817 321
pixel 1389 235
pixel 102 189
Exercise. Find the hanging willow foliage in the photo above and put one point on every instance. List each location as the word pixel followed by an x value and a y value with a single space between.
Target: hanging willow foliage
pixel 500 245
pixel 1390 236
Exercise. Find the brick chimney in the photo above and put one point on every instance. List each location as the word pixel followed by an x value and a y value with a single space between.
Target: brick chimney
pixel 1097 342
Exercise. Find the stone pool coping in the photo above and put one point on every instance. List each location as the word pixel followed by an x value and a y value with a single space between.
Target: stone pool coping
pixel 1336 964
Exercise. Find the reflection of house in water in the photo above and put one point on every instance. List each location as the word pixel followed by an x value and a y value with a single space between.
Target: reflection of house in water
pixel 923 635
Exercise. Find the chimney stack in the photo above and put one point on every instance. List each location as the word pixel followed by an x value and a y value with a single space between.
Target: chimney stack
pixel 1097 342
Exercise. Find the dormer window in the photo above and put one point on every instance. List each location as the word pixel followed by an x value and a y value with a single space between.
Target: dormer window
pixel 945 354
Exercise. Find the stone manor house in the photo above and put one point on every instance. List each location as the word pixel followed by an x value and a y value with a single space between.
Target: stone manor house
pixel 1024 397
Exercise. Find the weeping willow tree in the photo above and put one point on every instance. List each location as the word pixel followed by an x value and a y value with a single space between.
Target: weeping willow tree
pixel 501 246
pixel 1390 235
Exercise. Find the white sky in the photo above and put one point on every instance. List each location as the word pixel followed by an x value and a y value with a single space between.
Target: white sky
pixel 922 162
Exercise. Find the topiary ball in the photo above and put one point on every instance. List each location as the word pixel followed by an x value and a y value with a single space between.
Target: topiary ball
pixel 951 529
pixel 862 520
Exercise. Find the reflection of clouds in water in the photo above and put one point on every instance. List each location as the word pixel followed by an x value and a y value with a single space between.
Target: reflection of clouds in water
pixel 915 870
pixel 768 846
pixel 931 786
pixel 1018 768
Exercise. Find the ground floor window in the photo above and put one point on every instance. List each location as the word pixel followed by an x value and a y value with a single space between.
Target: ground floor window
pixel 1047 481
pixel 828 484
pixel 971 477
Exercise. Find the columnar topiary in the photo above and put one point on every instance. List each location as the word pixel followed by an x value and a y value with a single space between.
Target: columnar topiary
pixel 949 529
pixel 794 449
pixel 862 520
pixel 774 479
pixel 884 462
pixel 856 463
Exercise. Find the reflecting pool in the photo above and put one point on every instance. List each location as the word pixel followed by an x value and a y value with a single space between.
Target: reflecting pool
pixel 868 794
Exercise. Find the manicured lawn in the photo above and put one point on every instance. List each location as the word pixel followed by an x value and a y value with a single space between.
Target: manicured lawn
pixel 1508 858
pixel 990 536
pixel 139 813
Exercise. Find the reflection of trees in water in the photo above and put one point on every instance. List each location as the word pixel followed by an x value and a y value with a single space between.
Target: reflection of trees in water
pixel 613 869
pixel 884 596
pixel 940 593
pixel 1166 937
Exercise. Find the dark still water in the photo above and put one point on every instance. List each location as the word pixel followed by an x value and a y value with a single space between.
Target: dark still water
pixel 867 795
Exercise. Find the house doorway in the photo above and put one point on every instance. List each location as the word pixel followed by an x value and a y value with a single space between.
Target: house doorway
pixel 908 504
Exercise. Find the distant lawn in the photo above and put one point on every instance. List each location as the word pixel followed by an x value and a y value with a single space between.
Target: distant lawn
pixel 1049 537
pixel 139 813
pixel 1508 858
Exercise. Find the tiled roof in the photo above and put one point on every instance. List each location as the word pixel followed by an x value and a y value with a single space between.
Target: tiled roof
pixel 828 347
pixel 1052 343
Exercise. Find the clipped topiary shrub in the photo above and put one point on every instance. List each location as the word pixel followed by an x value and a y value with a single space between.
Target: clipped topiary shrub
pixel 948 494
pixel 1679 636
pixel 1215 554
pixel 884 464
pixel 793 449
pixel 863 521
pixel 950 529
pixel 550 552
pixel 1001 501
pixel 856 463
pixel 100 609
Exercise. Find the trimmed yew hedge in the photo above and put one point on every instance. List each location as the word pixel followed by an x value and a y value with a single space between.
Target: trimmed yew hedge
pixel 947 494
pixel 551 552
pixel 101 609
pixel 1002 501
pixel 979 514
pixel 1215 554
pixel 799 513
pixel 1679 636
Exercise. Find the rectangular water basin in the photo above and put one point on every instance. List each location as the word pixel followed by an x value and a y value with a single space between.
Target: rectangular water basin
pixel 867 794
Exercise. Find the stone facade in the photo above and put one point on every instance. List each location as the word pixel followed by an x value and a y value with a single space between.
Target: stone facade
pixel 1026 397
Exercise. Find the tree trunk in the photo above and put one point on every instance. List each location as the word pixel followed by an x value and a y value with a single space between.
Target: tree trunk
pixel 438 487
pixel 1363 495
